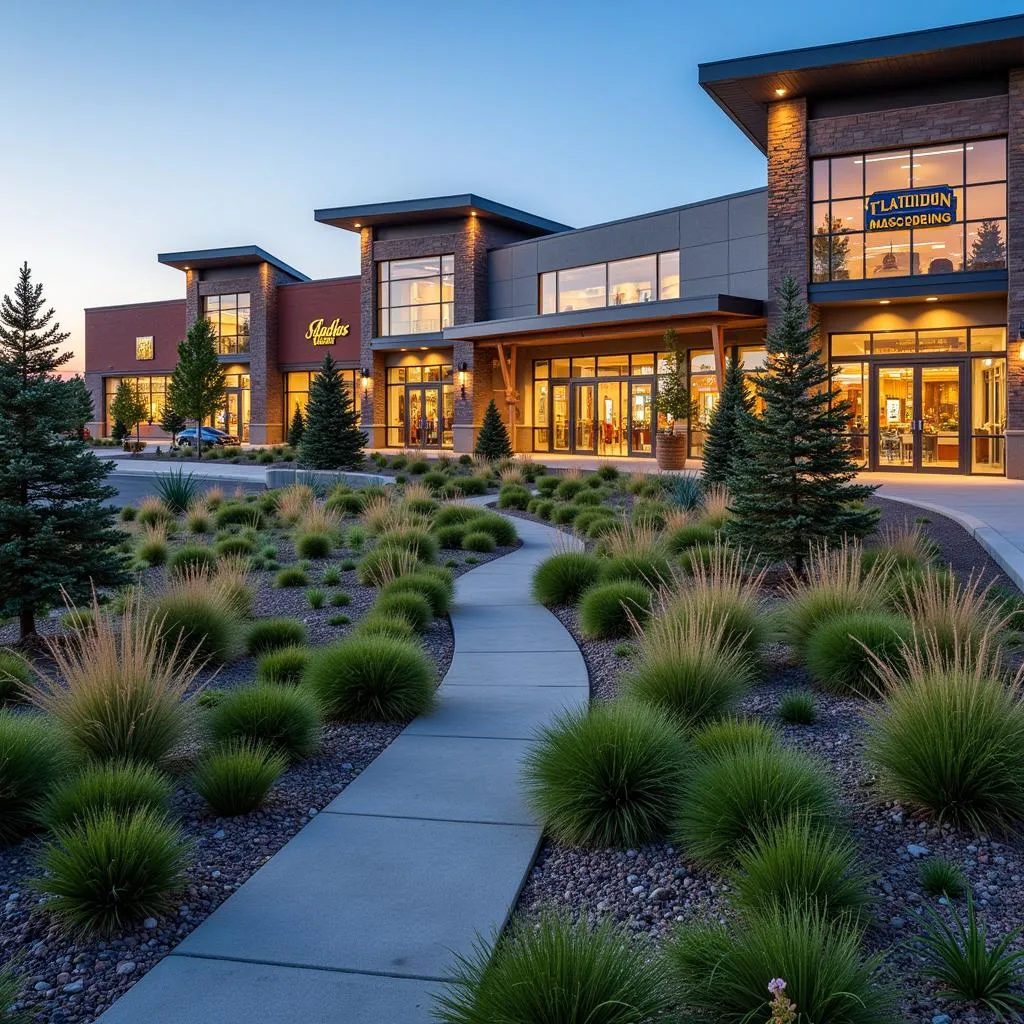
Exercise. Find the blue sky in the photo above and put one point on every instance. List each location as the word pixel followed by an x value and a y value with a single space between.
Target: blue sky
pixel 136 128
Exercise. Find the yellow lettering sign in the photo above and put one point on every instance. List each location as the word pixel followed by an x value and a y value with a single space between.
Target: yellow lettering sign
pixel 324 334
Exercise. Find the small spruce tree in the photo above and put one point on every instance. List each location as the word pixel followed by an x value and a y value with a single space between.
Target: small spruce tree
pixel 724 440
pixel 297 428
pixel 793 485
pixel 196 389
pixel 331 438
pixel 492 442
pixel 57 532
pixel 128 408
pixel 172 422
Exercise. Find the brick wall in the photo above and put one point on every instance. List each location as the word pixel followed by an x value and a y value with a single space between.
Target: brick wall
pixel 788 196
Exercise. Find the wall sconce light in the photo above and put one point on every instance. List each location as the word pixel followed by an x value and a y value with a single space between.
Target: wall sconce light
pixel 462 378
pixel 365 374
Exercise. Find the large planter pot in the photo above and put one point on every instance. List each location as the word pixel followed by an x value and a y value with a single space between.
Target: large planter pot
pixel 671 451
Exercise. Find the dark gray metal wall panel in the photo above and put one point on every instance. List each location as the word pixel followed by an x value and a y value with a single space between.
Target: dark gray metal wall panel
pixel 708 222
pixel 617 241
pixel 753 284
pixel 524 259
pixel 499 263
pixel 711 260
pixel 524 292
pixel 750 253
pixel 748 215
pixel 499 293
pixel 694 287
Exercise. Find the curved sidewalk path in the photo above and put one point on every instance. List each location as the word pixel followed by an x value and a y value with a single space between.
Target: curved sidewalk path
pixel 356 918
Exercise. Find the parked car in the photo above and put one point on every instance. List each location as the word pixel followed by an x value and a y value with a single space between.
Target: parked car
pixel 210 435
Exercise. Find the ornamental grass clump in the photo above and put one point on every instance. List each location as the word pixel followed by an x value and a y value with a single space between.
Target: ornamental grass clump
pixel 686 535
pixel 502 529
pixel 941 877
pixel 283 666
pixel 555 971
pixel 609 775
pixel 844 651
pixel 197 517
pixel 948 737
pixel 513 496
pixel 372 678
pixel 833 584
pixel 723 975
pixel 153 511
pixel 798 862
pixel 118 786
pixel 193 558
pixel 725 736
pixel 714 506
pixel 562 578
pixel 313 544
pixel 900 547
pixel 119 691
pixel 237 777
pixel 33 761
pixel 112 870
pixel 152 547
pixel 635 553
pixel 420 541
pixel 455 514
pixel 382 564
pixel 731 798
pixel 231 581
pixel 270 634
pixel 196 615
pixel 408 605
pixel 427 585
pixel 283 718
pixel 610 610
pixel 377 624
pixel 234 545
pixel 293 500
pixel 689 669
pixel 477 540
pixel 291 576
pixel 15 675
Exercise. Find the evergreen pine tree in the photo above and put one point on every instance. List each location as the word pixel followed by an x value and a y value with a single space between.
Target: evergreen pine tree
pixel 57 535
pixel 128 408
pixel 331 438
pixel 172 422
pixel 297 428
pixel 196 388
pixel 492 442
pixel 793 483
pixel 724 438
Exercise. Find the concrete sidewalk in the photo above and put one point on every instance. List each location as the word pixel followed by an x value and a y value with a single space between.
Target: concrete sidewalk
pixel 357 918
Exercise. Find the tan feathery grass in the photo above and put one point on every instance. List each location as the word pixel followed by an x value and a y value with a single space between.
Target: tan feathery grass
pixel 293 501
pixel 714 504
pixel 510 474
pixel 316 518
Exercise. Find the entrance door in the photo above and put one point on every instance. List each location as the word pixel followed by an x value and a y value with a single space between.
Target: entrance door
pixel 559 417
pixel 584 417
pixel 640 421
pixel 918 417
pixel 612 418
pixel 423 426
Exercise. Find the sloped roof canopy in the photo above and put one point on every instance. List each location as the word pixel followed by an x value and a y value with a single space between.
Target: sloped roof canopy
pixel 231 256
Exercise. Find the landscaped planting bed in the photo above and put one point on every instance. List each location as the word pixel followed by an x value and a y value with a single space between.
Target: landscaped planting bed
pixel 271 647
pixel 675 846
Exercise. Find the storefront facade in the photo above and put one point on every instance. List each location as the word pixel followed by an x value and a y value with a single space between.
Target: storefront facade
pixel 894 197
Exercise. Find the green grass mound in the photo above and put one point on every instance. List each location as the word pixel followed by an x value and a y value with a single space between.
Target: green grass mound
pixel 32 763
pixel 283 718
pixel 372 678
pixel 118 786
pixel 588 499
pixel 501 528
pixel 450 537
pixel 727 736
pixel 283 666
pixel 608 610
pixel 313 544
pixel 271 634
pixel 562 578
pixel 111 871
pixel 377 624
pixel 455 515
pixel 649 567
pixel 236 545
pixel 798 707
pixel 381 564
pixel 722 975
pixel 565 515
pixel 586 517
pixel 477 540
pixel 238 514
pixel 199 623
pixel 291 576
pixel 15 675
pixel 610 775
pixel 564 490
pixel 192 558
pixel 408 605
pixel 547 485
pixel 433 588
pixel 152 552
pixel 841 650
pixel 422 543
pixel 236 778
pixel 683 537
pixel 731 798
pixel 555 972
pixel 513 496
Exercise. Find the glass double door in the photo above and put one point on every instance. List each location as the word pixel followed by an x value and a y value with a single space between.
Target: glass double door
pixel 608 418
pixel 919 413
pixel 430 410
pixel 233 418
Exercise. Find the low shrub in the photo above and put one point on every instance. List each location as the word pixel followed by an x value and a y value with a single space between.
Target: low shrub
pixel 15 675
pixel 283 665
pixel 609 775
pixel 842 650
pixel 723 976
pixel 377 624
pixel 380 565
pixel 347 504
pixel 313 544
pixel 127 513
pixel 736 609
pixel 372 678
pixel 291 576
pixel 338 620
pixel 152 549
pixel 952 612
pixel 513 496
pixel 602 527
pixel 652 513
pixel 546 485
pixel 195 618
pixel 501 528
pixel 608 472
pixel 340 599
pixel 648 566
pixel 479 541
pixel 723 737
pixel 800 863
pixel 696 557
pixel 609 609
pixel 798 707
pixel 118 786
pixel 586 517
pixel 422 543
pixel 450 537
pixel 429 586
pixel 690 671
pixel 453 515
pixel 564 490
pixel 941 877
pixel 588 498
pixel 555 971
pixel 565 514
pixel 32 763
pixel 153 512
pixel 112 870
pixel 562 578
pixel 240 513
pixel 282 717
pixel 471 485
pixel 237 545
pixel 236 778
pixel 271 634
pixel 192 558
pixel 411 606
pixel 733 797
pixel 949 740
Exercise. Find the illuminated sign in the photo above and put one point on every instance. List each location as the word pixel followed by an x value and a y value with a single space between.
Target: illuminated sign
pixel 324 334
pixel 931 207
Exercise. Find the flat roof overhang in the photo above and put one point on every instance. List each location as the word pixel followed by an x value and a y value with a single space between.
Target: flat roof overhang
pixel 614 321
pixel 231 256
pixel 410 211
pixel 410 342
pixel 979 285
pixel 744 87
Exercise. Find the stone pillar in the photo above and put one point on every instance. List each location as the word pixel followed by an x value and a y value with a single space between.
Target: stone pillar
pixel 94 385
pixel 788 196
pixel 1015 275
pixel 372 408
pixel 266 394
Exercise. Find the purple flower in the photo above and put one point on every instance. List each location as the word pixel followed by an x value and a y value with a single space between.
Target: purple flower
pixel 777 986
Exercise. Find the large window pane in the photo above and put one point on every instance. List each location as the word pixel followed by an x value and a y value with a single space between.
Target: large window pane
pixel 846 254
pixel 851 344
pixel 986 160
pixel 988 423
pixel 986 245
pixel 887 254
pixel 547 292
pixel 886 171
pixel 942 340
pixel 851 381
pixel 893 342
pixel 423 267
pixel 819 180
pixel 848 215
pixel 985 202
pixel 940 165
pixel 668 275
pixel 988 339
pixel 414 297
pixel 631 281
pixel 847 177
pixel 939 250
pixel 582 288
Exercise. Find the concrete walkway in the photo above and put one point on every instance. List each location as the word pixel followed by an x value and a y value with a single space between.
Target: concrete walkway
pixel 356 919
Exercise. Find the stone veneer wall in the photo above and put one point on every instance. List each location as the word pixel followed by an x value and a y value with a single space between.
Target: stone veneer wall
pixel 1015 273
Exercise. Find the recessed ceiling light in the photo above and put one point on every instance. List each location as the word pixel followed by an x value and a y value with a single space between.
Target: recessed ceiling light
pixel 884 302
pixel 472 213
pixel 932 298
pixel 780 91
pixel 357 225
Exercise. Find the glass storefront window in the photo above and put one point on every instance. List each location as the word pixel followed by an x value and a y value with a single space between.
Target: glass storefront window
pixel 631 281
pixel 229 315
pixel 583 366
pixel 541 415
pixel 420 406
pixel 642 365
pixel 893 342
pixel 988 416
pixel 988 339
pixel 548 293
pixel 753 359
pixel 541 369
pixel 559 367
pixel 850 344
pixel 851 383
pixel 415 296
pixel 296 390
pixel 841 248
pixel 613 366
pixel 942 341
pixel 150 389
pixel 618 283
pixel 582 288
pixel 668 275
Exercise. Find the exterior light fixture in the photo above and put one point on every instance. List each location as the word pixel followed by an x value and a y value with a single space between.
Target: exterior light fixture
pixel 365 374
pixel 884 302
pixel 357 225
pixel 472 213
pixel 932 298
pixel 462 378
pixel 780 91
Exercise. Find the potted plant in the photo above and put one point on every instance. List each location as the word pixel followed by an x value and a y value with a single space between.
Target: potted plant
pixel 673 400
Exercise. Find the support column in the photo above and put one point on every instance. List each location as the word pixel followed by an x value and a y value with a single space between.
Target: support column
pixel 372 398
pixel 469 410
pixel 1015 282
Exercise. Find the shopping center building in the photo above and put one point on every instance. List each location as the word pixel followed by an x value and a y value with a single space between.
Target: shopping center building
pixel 895 196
